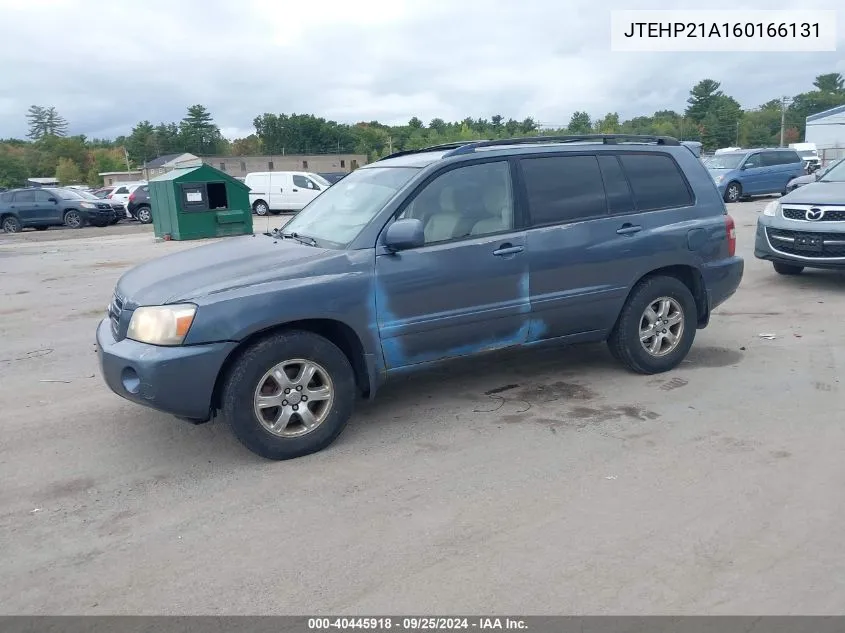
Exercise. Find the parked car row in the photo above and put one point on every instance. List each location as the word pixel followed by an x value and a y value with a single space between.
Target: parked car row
pixel 41 208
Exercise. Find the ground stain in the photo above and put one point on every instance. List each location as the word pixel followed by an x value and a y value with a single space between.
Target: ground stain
pixel 580 417
pixel 781 454
pixel 87 313
pixel 111 264
pixel 734 445
pixel 9 311
pixel 501 389
pixel 557 391
pixel 69 488
pixel 711 357
pixel 675 383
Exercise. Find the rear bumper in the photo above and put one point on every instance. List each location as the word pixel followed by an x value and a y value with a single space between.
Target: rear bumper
pixel 176 380
pixel 721 279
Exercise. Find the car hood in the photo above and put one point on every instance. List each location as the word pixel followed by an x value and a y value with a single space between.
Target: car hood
pixel 803 180
pixel 832 193
pixel 718 172
pixel 235 262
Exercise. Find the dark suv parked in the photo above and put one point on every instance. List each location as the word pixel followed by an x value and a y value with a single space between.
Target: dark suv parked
pixel 41 208
pixel 139 205
pixel 419 258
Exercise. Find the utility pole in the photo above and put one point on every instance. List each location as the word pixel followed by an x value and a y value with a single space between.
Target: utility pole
pixel 783 102
pixel 126 156
pixel 737 133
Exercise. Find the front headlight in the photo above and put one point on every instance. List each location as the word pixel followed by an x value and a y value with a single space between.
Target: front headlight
pixel 87 205
pixel 772 208
pixel 718 179
pixel 161 325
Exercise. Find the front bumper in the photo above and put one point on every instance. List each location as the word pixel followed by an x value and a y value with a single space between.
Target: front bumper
pixel 764 249
pixel 176 380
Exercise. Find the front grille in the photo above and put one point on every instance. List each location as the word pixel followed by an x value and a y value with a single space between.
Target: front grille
pixel 807 243
pixel 115 310
pixel 828 215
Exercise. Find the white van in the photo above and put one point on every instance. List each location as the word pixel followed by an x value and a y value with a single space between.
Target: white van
pixel 277 191
pixel 809 154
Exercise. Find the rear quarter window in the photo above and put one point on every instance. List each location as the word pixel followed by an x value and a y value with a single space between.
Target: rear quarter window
pixel 5 198
pixel 656 181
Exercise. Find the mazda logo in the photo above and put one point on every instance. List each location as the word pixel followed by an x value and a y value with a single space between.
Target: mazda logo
pixel 814 214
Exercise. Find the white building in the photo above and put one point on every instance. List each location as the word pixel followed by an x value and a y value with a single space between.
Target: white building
pixel 827 130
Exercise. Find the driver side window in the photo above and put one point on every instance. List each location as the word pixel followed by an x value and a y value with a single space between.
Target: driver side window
pixel 753 161
pixel 465 202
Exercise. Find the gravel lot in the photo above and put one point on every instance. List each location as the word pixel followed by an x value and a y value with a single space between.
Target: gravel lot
pixel 577 488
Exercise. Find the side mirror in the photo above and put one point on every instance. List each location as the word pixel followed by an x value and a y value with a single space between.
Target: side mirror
pixel 743 167
pixel 54 201
pixel 404 234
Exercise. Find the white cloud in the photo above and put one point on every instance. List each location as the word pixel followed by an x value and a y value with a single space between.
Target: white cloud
pixel 108 65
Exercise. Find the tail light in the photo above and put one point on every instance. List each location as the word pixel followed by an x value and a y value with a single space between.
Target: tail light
pixel 730 229
pixel 132 197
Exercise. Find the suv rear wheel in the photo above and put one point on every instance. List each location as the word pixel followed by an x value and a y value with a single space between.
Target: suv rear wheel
pixel 11 224
pixel 144 215
pixel 289 395
pixel 787 269
pixel 656 327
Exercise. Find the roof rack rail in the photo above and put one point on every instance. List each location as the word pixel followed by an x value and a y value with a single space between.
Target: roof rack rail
pixel 607 139
pixel 432 148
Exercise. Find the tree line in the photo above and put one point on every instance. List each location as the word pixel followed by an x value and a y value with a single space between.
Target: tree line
pixel 711 117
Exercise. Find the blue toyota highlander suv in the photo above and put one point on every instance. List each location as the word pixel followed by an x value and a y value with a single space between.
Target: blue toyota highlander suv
pixel 419 258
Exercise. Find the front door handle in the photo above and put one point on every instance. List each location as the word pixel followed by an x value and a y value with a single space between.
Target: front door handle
pixel 628 229
pixel 508 249
pixel 295 190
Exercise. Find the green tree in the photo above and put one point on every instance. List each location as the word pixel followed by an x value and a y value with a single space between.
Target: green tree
pixel 37 122
pixel 415 123
pixel 702 98
pixel 54 124
pixel 198 133
pixel 68 172
pixel 831 82
pixel 609 124
pixel 580 123
pixel 13 169
pixel 142 144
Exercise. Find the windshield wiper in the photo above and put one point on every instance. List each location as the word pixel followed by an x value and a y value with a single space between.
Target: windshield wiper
pixel 302 239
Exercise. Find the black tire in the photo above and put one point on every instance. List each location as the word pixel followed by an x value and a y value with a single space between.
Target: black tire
pixel 114 221
pixel 245 374
pixel 41 228
pixel 11 224
pixel 733 192
pixel 260 208
pixel 144 215
pixel 787 269
pixel 624 340
pixel 73 219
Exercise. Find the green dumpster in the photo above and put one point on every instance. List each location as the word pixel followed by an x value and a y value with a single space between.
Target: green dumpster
pixel 197 202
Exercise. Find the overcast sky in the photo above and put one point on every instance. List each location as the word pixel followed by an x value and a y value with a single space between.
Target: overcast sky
pixel 107 64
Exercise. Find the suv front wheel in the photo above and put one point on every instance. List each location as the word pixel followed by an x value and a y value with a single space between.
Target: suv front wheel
pixel 656 327
pixel 289 395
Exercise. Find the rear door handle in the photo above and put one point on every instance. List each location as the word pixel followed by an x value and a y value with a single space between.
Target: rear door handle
pixel 508 249
pixel 628 229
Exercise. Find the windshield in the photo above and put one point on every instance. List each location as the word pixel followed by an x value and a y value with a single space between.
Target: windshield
pixel 808 153
pixel 724 161
pixel 85 195
pixel 340 213
pixel 834 173
pixel 68 194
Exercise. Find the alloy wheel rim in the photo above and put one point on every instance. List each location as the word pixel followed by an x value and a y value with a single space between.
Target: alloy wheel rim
pixel 293 398
pixel 661 326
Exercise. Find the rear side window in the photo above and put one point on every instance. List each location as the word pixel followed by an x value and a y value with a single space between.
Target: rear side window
pixel 656 181
pixel 619 199
pixel 120 190
pixel 25 196
pixel 6 197
pixel 563 188
pixel 791 157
